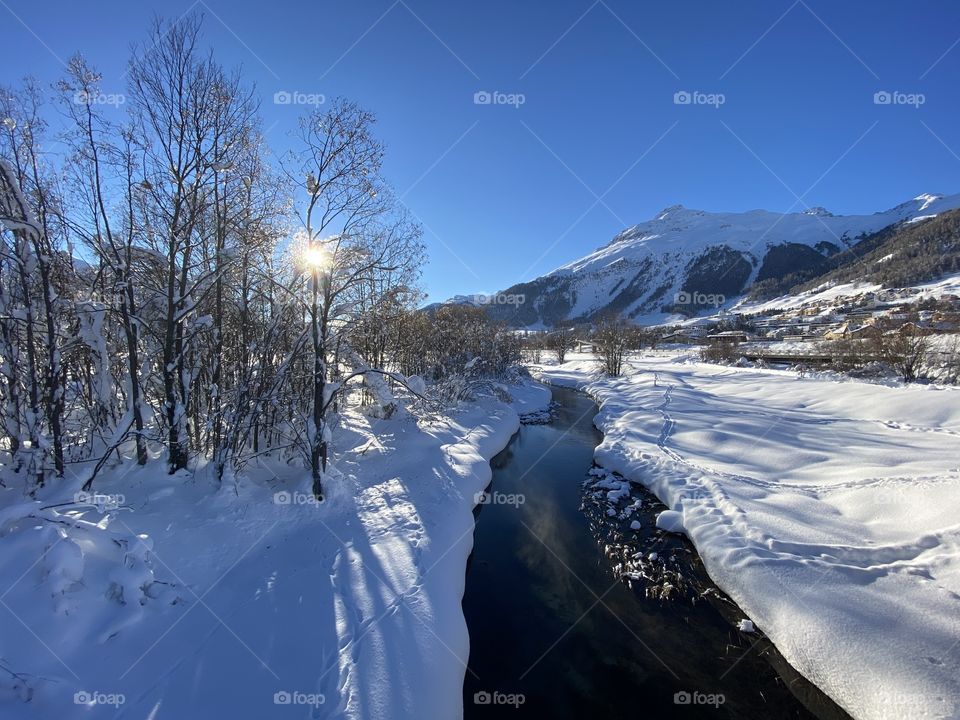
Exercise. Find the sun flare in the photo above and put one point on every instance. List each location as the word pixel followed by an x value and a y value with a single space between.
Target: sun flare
pixel 316 257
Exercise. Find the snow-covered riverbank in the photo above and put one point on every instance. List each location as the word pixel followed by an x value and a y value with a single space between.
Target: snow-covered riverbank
pixel 828 510
pixel 194 602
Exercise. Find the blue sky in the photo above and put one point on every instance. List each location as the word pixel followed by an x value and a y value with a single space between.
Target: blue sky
pixel 508 192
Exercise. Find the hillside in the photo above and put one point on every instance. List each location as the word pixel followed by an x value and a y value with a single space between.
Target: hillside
pixel 900 256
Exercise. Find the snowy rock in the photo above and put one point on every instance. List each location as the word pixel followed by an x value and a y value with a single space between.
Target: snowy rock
pixel 671 521
pixel 746 626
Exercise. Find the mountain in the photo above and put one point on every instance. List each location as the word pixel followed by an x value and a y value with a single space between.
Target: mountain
pixel 685 261
pixel 904 255
pixel 468 300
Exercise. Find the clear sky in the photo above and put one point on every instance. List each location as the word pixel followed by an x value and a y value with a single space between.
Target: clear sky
pixel 507 192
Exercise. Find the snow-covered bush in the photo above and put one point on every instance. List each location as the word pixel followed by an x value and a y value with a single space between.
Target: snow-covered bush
pixel 722 352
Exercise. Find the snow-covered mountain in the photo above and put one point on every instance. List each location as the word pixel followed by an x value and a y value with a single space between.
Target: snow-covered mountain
pixel 687 260
pixel 468 300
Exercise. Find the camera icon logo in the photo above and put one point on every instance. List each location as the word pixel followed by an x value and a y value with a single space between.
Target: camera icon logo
pixel 282 698
pixel 482 97
pixel 682 97
pixel 282 97
pixel 682 698
pixel 882 97
pixel 482 698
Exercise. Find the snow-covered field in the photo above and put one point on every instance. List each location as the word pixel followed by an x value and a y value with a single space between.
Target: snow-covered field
pixel 828 509
pixel 181 600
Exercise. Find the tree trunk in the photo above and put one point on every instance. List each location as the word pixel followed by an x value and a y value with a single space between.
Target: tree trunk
pixel 318 443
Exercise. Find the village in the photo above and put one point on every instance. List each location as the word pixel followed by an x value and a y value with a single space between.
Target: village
pixel 912 331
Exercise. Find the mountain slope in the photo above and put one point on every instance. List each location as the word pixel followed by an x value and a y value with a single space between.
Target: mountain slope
pixel 686 260
pixel 901 256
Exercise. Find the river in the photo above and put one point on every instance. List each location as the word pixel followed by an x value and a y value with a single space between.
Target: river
pixel 556 633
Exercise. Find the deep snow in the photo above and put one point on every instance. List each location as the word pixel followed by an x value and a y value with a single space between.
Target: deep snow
pixel 176 599
pixel 826 508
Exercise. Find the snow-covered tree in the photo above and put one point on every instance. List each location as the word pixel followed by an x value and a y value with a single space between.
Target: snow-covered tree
pixel 352 238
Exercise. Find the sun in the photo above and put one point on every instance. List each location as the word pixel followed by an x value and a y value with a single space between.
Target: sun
pixel 316 257
pixel 313 255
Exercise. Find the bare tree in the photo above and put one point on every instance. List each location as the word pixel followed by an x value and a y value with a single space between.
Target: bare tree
pixel 533 347
pixel 612 338
pixel 720 351
pixel 104 166
pixel 905 350
pixel 349 238
pixel 192 118
pixel 28 205
pixel 190 315
pixel 560 340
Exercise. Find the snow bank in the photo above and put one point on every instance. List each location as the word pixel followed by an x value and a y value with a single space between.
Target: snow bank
pixel 179 598
pixel 670 521
pixel 827 509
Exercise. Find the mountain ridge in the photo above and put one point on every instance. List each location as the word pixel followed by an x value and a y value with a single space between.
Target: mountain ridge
pixel 684 261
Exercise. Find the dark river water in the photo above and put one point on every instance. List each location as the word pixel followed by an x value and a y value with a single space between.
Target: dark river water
pixel 555 632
